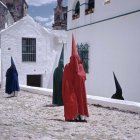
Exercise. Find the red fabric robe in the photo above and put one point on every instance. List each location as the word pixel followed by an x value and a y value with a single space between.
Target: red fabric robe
pixel 73 89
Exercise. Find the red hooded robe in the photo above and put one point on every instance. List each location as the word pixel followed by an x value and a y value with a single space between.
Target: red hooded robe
pixel 73 87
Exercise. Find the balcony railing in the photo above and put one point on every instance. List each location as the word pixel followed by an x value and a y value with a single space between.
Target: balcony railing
pixel 89 11
pixel 75 16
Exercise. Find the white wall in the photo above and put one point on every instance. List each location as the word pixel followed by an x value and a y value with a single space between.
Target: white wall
pixel 114 46
pixel 127 106
pixel 60 39
pixel 101 11
pixel 46 51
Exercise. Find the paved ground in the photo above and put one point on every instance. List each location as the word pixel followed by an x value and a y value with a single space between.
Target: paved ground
pixel 26 117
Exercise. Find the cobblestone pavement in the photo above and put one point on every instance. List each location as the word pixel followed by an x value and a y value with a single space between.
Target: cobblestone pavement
pixel 29 117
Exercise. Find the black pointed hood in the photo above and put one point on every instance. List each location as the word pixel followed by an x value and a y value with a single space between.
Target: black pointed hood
pixel 12 63
pixel 118 87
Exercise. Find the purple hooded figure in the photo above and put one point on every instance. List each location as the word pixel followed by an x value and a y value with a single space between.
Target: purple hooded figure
pixel 12 84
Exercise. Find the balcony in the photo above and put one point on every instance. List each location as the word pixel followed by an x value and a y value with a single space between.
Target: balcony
pixel 89 11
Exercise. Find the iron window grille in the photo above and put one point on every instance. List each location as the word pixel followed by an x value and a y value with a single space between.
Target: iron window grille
pixel 29 49
pixel 83 51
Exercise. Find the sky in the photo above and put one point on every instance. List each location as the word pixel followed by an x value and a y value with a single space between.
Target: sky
pixel 43 11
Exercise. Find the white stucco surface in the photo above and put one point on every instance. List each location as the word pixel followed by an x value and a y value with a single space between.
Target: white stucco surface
pixel 102 11
pixel 48 49
pixel 114 46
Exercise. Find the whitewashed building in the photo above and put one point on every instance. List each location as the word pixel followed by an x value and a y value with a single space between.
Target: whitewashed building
pixel 35 51
pixel 110 32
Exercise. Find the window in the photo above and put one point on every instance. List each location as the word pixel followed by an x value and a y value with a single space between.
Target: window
pixel 29 49
pixel 90 8
pixel 77 8
pixel 83 51
pixel 76 11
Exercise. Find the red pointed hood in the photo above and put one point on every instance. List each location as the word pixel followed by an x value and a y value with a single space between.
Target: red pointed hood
pixel 74 48
pixel 75 60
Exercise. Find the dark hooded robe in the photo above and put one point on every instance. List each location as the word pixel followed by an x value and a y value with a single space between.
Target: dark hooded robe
pixel 57 82
pixel 73 88
pixel 12 83
pixel 118 94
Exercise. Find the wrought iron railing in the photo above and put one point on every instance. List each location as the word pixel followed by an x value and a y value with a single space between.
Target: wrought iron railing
pixel 83 51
